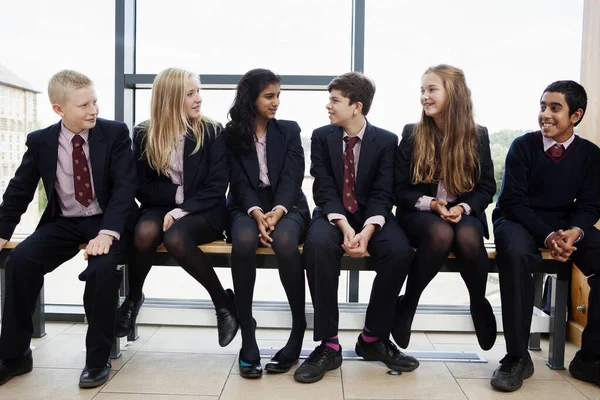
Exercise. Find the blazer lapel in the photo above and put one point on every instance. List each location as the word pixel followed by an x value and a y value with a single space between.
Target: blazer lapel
pixel 367 153
pixel 97 159
pixel 250 162
pixel 275 153
pixel 190 163
pixel 49 160
pixel 336 150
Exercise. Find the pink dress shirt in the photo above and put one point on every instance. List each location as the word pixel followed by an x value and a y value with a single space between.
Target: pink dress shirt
pixel 176 174
pixel 263 170
pixel 64 185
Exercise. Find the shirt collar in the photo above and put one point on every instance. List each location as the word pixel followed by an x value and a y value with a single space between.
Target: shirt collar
pixel 548 142
pixel 70 135
pixel 262 140
pixel 361 133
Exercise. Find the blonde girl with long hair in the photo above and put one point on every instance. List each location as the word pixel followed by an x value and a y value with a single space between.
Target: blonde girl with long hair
pixel 183 175
pixel 444 182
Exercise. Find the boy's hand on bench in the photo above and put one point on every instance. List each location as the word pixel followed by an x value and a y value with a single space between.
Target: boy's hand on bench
pixel 98 246
pixel 3 243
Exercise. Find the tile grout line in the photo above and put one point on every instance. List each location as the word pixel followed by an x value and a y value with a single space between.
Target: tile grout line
pixel 456 381
pixel 125 363
pixel 576 388
pixel 227 378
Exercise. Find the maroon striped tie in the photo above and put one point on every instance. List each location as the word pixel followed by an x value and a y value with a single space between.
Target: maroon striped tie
pixel 81 173
pixel 349 194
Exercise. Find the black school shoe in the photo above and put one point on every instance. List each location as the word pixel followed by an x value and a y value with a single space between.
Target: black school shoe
pixel 485 324
pixel 249 370
pixel 279 365
pixel 403 318
pixel 321 360
pixel 15 366
pixel 386 352
pixel 509 376
pixel 94 377
pixel 227 322
pixel 587 371
pixel 127 315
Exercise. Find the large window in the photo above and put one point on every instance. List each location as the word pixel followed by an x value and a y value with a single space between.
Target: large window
pixel 509 50
pixel 294 37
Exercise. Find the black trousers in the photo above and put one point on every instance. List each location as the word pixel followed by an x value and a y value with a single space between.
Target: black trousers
pixel 517 255
pixel 391 254
pixel 47 248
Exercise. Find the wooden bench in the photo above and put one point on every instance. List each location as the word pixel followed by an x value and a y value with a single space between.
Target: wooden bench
pixel 220 252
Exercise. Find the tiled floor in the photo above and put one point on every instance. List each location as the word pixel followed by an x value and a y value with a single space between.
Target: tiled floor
pixel 177 363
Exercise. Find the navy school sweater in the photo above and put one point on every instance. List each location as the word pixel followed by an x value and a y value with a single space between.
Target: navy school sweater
pixel 544 195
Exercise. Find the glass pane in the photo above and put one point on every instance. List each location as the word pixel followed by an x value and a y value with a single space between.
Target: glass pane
pixel 233 36
pixel 508 52
pixel 61 37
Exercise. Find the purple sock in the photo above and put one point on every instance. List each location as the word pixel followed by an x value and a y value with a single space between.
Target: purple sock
pixel 368 336
pixel 332 342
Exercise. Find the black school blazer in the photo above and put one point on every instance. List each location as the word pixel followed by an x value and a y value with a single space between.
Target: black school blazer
pixel 407 194
pixel 285 161
pixel 205 177
pixel 113 171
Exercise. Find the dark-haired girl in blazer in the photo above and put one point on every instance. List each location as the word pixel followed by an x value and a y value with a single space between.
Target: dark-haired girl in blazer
pixel 267 207
pixel 444 182
pixel 182 171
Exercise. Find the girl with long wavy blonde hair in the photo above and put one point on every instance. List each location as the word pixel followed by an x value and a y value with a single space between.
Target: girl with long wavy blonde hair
pixel 183 175
pixel 168 118
pixel 444 182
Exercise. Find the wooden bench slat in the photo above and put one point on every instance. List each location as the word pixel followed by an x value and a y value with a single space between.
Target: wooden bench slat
pixel 221 247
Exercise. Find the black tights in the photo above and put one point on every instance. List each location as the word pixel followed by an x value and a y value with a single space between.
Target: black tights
pixel 286 236
pixel 435 238
pixel 181 240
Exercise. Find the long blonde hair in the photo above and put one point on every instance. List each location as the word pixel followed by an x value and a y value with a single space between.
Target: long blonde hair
pixel 456 156
pixel 168 119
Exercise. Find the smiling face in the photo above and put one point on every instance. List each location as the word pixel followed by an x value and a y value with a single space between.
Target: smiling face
pixel 192 100
pixel 267 102
pixel 433 95
pixel 554 119
pixel 79 109
pixel 339 108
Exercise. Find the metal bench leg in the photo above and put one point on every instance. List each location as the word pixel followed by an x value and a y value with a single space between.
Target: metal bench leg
pixel 538 284
pixel 39 317
pixel 558 320
pixel 2 285
pixel 353 286
pixel 115 351
pixel 124 292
